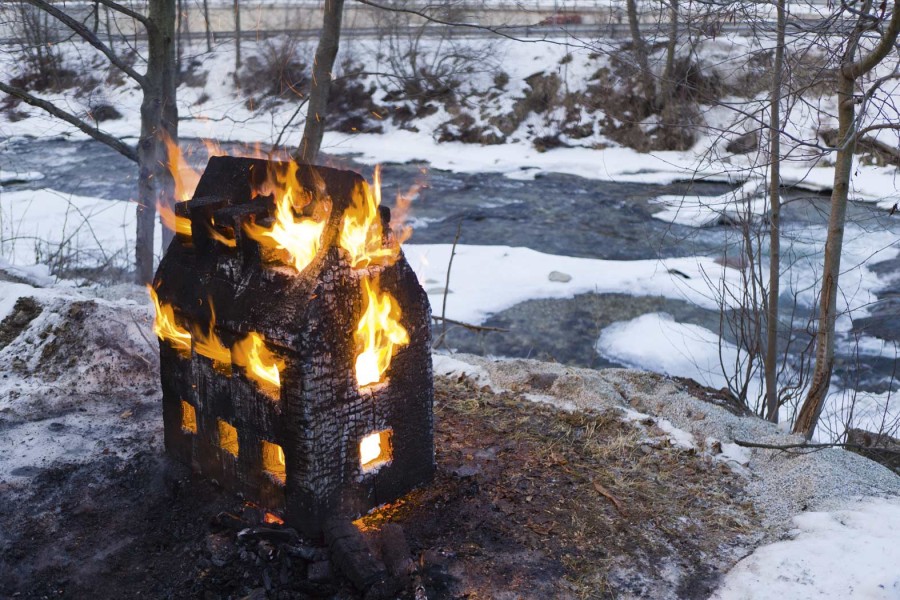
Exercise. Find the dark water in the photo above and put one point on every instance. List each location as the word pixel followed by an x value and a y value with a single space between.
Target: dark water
pixel 556 214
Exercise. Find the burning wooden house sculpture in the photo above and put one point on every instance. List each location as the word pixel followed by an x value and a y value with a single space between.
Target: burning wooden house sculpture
pixel 294 342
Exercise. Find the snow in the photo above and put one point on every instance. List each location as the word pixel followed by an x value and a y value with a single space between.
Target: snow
pixel 487 279
pixel 445 365
pixel 656 342
pixel 679 438
pixel 850 554
pixel 699 211
pixel 45 226
pixel 15 176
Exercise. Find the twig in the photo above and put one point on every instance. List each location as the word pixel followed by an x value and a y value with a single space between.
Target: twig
pixel 609 496
pixel 289 122
pixel 447 287
pixel 812 447
pixel 468 325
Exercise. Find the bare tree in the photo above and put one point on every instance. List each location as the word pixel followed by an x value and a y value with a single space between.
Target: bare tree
pixel 237 37
pixel 772 315
pixel 323 66
pixel 851 70
pixel 159 114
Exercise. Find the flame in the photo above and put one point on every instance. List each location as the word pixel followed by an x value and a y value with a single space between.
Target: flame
pixel 209 344
pixel 183 174
pixel 299 238
pixel 378 332
pixel 250 353
pixel 273 519
pixel 260 363
pixel 165 327
pixel 362 233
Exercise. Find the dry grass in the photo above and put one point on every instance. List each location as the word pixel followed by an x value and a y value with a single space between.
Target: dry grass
pixel 581 501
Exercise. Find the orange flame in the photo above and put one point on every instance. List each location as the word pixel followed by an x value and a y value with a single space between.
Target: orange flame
pixel 172 222
pixel 297 239
pixel 250 353
pixel 165 327
pixel 362 234
pixel 260 363
pixel 209 344
pixel 378 332
pixel 184 175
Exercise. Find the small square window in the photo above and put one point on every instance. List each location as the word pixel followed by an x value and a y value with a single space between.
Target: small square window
pixel 273 461
pixel 188 418
pixel 228 438
pixel 375 451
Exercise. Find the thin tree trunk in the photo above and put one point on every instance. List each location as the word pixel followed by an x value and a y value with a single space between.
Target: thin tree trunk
pixel 237 37
pixel 206 22
pixel 640 54
pixel 109 33
pixel 821 377
pixel 771 362
pixel 323 65
pixel 179 25
pixel 850 72
pixel 158 114
pixel 671 47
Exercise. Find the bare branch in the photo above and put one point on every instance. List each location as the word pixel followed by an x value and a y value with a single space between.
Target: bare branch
pixel 89 36
pixel 101 136
pixel 477 328
pixel 888 39
pixel 495 30
pixel 128 13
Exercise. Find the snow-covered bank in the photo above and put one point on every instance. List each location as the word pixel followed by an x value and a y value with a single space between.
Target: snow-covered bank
pixel 80 232
pixel 213 108
pixel 845 509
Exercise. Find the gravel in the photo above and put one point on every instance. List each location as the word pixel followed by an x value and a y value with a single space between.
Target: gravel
pixel 781 484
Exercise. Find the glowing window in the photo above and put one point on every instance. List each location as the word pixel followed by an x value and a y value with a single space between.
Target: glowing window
pixel 375 450
pixel 228 438
pixel 273 461
pixel 188 418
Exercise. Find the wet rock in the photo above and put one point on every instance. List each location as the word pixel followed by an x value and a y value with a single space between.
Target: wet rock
pixel 559 277
pixel 744 144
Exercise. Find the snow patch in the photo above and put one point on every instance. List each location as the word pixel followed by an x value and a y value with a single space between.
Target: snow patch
pixel 849 554
pixel 656 342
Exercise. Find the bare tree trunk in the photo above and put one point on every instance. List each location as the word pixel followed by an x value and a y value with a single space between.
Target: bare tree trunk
pixel 671 47
pixel 771 362
pixel 323 65
pixel 206 21
pixel 179 28
pixel 851 70
pixel 109 34
pixel 158 113
pixel 237 37
pixel 640 54
pixel 843 167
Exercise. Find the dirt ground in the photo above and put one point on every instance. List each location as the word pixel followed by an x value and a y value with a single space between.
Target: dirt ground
pixel 529 502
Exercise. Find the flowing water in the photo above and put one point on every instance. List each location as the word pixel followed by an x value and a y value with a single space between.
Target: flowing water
pixel 555 214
